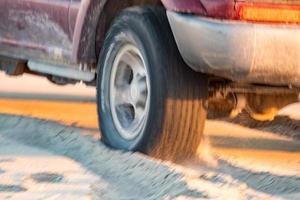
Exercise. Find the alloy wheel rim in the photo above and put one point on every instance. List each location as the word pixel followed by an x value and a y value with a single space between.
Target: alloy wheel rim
pixel 129 92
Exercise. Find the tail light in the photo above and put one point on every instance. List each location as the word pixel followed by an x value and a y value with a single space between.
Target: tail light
pixel 271 13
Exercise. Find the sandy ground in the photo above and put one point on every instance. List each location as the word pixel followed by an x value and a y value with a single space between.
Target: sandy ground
pixel 63 151
pixel 134 176
pixel 28 172
pixel 34 85
pixel 237 162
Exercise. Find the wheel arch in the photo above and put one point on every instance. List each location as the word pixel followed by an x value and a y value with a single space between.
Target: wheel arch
pixel 93 21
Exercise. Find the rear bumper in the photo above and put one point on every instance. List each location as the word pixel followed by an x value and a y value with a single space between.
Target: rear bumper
pixel 245 52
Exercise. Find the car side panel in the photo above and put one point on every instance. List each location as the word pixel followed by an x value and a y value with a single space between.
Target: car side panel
pixel 35 29
pixel 57 30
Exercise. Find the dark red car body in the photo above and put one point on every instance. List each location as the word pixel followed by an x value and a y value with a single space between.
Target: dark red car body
pixel 71 32
pixel 66 30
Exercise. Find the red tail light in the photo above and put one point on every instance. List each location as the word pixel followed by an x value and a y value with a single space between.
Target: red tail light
pixel 269 13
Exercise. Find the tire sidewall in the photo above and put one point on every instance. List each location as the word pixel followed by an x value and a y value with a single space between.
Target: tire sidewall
pixel 129 30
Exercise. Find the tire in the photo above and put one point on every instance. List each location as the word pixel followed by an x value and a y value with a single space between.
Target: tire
pixel 174 122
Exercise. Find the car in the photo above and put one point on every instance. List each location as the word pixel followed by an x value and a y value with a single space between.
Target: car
pixel 160 66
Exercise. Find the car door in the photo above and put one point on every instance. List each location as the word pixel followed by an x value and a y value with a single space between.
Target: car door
pixel 35 29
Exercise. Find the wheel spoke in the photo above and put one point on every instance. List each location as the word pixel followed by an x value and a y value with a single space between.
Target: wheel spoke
pixel 129 92
pixel 139 74
pixel 139 113
pixel 122 96
pixel 132 60
pixel 143 85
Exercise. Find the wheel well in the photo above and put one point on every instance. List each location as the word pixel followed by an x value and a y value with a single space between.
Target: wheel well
pixel 110 12
pixel 97 22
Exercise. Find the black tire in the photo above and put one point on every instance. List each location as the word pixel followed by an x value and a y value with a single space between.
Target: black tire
pixel 177 114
